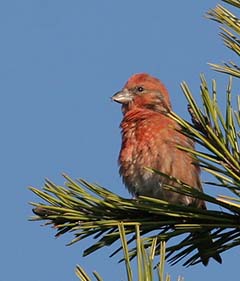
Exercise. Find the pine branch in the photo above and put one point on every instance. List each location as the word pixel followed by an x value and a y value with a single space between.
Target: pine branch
pixel 90 210
pixel 215 133
pixel 146 264
pixel 235 3
pixel 230 35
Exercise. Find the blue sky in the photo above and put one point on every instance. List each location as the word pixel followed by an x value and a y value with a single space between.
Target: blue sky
pixel 60 61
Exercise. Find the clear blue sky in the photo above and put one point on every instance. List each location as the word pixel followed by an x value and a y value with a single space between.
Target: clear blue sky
pixel 60 61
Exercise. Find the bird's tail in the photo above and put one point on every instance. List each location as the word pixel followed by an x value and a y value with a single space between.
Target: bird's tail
pixel 205 247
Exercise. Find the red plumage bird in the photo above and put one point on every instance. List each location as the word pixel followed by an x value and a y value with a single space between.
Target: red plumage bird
pixel 150 139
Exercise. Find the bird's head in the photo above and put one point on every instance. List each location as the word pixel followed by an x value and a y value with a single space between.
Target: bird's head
pixel 143 91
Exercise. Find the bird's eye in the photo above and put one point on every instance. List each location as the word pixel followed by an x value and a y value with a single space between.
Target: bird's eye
pixel 140 89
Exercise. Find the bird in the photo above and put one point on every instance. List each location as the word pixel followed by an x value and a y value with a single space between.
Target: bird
pixel 151 139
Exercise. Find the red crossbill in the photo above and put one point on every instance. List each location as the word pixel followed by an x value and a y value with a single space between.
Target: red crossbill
pixel 150 139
